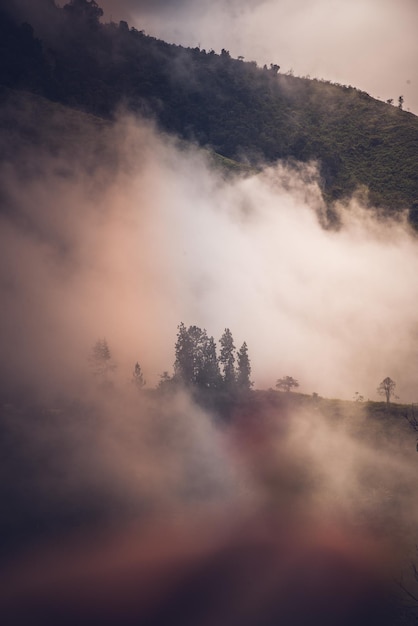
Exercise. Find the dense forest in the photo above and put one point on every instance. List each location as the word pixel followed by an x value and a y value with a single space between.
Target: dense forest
pixel 242 112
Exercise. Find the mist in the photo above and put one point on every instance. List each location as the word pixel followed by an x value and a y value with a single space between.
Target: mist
pixel 128 247
pixel 122 234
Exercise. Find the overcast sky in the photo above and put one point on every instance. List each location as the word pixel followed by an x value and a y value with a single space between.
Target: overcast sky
pixel 370 44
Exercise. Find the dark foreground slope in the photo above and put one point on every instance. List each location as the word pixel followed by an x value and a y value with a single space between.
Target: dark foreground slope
pixel 117 511
pixel 242 111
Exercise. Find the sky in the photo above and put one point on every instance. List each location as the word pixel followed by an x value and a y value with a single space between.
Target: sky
pixel 369 44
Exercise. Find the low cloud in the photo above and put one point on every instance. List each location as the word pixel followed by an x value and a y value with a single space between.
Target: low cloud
pixel 128 247
pixel 119 231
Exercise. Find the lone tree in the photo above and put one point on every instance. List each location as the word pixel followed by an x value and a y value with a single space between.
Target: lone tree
pixel 244 382
pixel 387 388
pixel 287 383
pixel 138 377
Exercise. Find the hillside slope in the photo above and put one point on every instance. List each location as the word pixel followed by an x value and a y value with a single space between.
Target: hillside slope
pixel 243 112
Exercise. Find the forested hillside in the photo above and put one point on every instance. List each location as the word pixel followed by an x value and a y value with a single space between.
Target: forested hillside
pixel 243 112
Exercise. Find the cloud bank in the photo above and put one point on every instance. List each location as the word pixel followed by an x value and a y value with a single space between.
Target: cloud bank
pixel 129 246
pixel 121 232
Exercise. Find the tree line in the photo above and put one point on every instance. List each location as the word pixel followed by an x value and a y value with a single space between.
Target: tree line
pixel 197 364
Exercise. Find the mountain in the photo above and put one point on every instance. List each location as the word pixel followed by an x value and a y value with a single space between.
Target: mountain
pixel 243 112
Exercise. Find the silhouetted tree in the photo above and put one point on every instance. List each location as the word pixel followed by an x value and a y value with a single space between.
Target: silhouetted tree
pixel 227 359
pixel 196 361
pixel 183 364
pixel 209 375
pixel 287 383
pixel 137 377
pixel 387 388
pixel 244 369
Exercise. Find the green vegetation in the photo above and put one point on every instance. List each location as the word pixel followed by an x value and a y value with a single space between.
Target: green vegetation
pixel 197 364
pixel 245 113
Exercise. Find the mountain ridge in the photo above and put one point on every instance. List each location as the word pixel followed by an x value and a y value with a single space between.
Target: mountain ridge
pixel 243 112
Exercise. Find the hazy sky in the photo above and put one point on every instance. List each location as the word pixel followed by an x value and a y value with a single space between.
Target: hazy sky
pixel 370 44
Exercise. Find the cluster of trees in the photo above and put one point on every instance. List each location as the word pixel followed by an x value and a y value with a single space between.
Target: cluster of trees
pixel 197 363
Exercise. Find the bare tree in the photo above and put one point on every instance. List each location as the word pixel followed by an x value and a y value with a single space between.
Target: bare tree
pixel 387 388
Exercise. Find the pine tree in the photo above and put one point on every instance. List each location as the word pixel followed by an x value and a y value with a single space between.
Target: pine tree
pixel 210 375
pixel 196 361
pixel 183 364
pixel 227 360
pixel 244 382
pixel 137 377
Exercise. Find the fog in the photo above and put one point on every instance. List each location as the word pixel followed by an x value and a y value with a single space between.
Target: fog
pixel 124 232
pixel 155 235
